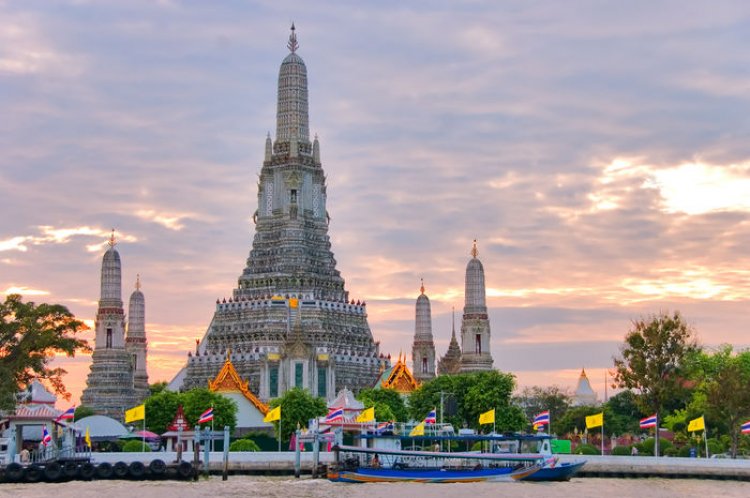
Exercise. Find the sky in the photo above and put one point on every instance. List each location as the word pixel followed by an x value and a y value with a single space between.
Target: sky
pixel 598 152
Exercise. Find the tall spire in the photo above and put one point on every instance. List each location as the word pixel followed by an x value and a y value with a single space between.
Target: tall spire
pixel 474 251
pixel 111 277
pixel 292 121
pixel 292 45
pixel 453 323
pixel 421 289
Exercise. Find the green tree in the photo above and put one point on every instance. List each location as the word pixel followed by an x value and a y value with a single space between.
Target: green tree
pixel 30 336
pixel 83 411
pixel 653 360
pixel 727 393
pixel 198 400
pixel 575 419
pixel 474 394
pixel 244 445
pixel 536 399
pixel 157 387
pixel 624 413
pixel 388 403
pixel 298 406
pixel 135 446
pixel 161 409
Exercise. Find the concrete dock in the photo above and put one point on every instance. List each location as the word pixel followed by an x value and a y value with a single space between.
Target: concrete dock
pixel 282 463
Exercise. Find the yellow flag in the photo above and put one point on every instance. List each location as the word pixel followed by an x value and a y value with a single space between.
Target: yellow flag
pixel 137 413
pixel 697 424
pixel 87 437
pixel 273 415
pixel 418 430
pixel 367 415
pixel 595 420
pixel 293 302
pixel 487 417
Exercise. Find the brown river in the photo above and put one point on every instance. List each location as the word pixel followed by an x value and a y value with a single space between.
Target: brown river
pixel 277 487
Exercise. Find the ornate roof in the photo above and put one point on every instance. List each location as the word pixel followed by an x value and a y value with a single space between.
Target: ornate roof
pixel 451 362
pixel 229 381
pixel 398 377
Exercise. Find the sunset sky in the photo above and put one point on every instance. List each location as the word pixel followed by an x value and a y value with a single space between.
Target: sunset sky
pixel 600 155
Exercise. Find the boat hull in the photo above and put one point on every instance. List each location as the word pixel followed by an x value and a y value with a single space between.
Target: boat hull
pixel 560 472
pixel 363 475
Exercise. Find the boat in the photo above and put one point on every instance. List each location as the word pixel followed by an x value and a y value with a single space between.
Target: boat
pixel 525 446
pixel 356 464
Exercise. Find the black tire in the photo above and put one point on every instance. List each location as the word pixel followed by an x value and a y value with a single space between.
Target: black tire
pixel 70 470
pixel 137 470
pixel 157 467
pixel 14 472
pixel 33 473
pixel 184 470
pixel 87 471
pixel 53 472
pixel 120 470
pixel 104 471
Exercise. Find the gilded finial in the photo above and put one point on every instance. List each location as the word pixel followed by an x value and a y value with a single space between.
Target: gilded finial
pixel 138 281
pixel 112 240
pixel 292 45
pixel 474 251
pixel 421 289
pixel 229 352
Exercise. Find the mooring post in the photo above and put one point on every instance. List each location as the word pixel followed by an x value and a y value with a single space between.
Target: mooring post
pixel 316 454
pixel 196 451
pixel 225 470
pixel 206 446
pixel 297 456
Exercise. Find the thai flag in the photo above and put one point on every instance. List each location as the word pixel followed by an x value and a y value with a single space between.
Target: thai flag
pixel 68 414
pixel 384 426
pixel 746 427
pixel 542 418
pixel 206 416
pixel 431 417
pixel 335 415
pixel 648 422
pixel 46 438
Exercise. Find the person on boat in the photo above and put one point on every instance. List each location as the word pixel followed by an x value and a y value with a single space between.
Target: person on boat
pixel 375 462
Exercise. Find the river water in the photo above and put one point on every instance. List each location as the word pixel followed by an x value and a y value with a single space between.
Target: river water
pixel 270 487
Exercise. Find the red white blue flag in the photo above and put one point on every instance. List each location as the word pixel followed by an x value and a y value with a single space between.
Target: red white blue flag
pixel 541 418
pixel 648 422
pixel 383 427
pixel 46 438
pixel 431 417
pixel 68 414
pixel 335 415
pixel 746 427
pixel 206 416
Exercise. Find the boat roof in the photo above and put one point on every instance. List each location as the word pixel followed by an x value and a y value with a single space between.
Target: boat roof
pixel 461 437
pixel 516 457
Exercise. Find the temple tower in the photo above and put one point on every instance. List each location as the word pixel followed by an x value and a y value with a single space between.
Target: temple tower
pixel 289 322
pixel 423 348
pixel 136 343
pixel 451 362
pixel 584 395
pixel 475 326
pixel 109 388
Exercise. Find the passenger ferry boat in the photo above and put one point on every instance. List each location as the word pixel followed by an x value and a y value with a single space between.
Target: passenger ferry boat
pixel 359 465
pixel 442 437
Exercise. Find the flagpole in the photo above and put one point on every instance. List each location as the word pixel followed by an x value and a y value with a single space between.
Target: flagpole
pixel 602 436
pixel 212 427
pixel 279 430
pixel 705 436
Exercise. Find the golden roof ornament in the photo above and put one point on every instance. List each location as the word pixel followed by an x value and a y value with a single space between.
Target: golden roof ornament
pixel 112 242
pixel 421 289
pixel 474 251
pixel 137 281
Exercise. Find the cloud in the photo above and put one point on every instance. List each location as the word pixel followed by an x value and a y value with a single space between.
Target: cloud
pixel 24 291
